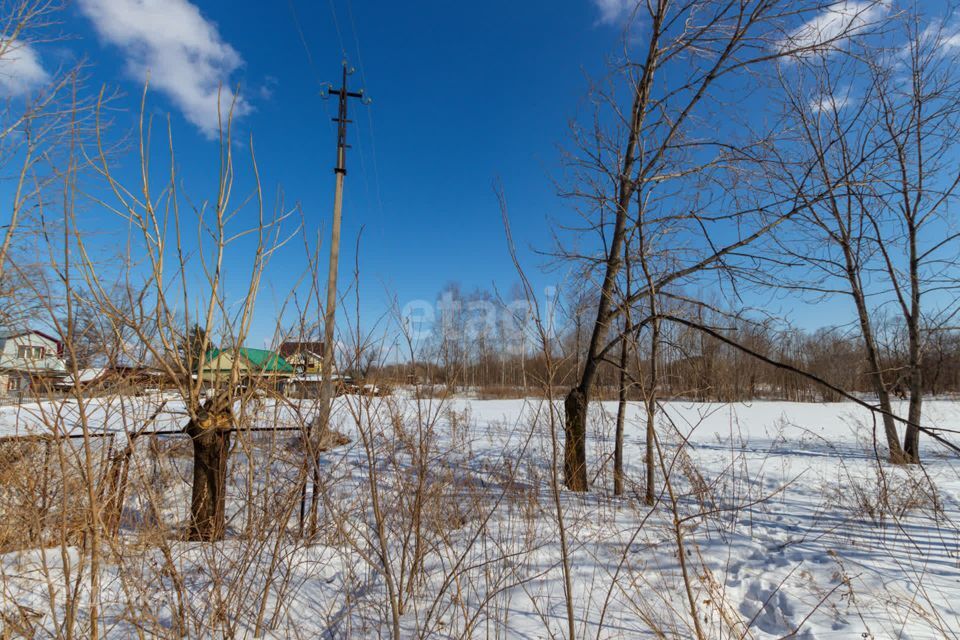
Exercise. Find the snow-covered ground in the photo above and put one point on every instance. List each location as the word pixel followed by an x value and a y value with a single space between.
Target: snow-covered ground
pixel 440 519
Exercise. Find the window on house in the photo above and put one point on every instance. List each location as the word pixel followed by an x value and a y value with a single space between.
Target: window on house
pixel 13 384
pixel 29 352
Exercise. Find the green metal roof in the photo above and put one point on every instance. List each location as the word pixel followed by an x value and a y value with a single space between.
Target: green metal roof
pixel 266 360
pixel 260 359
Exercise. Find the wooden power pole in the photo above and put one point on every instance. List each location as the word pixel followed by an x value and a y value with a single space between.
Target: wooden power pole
pixel 322 422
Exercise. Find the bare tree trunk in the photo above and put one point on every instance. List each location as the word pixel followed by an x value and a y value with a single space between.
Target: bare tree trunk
pixel 653 382
pixel 876 373
pixel 575 439
pixel 622 405
pixel 650 400
pixel 575 406
pixel 621 416
pixel 211 446
pixel 911 438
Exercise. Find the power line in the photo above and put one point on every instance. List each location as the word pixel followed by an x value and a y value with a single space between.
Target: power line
pixel 373 143
pixel 310 62
pixel 363 77
pixel 336 24
pixel 303 39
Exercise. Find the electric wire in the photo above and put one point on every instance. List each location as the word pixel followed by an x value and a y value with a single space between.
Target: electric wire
pixel 373 141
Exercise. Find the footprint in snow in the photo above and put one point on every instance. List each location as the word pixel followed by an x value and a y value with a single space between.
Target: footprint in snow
pixel 771 609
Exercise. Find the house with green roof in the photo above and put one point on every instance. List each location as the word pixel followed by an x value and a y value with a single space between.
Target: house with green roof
pixel 267 362
pixel 244 365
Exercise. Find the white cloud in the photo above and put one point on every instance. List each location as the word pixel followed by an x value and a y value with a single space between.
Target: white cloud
pixel 615 11
pixel 827 30
pixel 937 35
pixel 829 103
pixel 20 69
pixel 182 52
pixel 266 89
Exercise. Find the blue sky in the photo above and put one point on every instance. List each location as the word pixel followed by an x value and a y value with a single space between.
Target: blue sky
pixel 464 94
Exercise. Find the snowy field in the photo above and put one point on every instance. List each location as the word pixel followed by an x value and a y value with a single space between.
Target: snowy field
pixel 440 519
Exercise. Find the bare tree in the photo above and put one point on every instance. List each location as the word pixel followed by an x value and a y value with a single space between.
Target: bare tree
pixel 41 112
pixel 174 323
pixel 659 156
pixel 876 125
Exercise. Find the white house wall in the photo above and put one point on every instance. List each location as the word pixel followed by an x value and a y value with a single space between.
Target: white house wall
pixel 49 364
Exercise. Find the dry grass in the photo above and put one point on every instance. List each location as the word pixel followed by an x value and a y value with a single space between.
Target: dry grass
pixel 43 497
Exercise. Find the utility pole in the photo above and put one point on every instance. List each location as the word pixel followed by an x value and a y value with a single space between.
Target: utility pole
pixel 321 424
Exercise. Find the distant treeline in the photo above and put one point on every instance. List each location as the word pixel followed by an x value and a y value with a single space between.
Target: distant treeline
pixel 692 363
